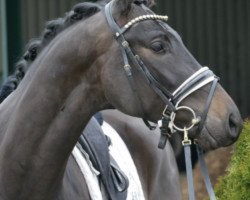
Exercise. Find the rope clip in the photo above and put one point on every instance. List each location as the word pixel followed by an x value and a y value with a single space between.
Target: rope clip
pixel 186 141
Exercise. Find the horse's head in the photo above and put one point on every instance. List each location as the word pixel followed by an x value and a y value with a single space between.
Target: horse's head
pixel 161 51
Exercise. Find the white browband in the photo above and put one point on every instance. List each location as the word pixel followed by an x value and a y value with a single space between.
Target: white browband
pixel 145 17
pixel 139 19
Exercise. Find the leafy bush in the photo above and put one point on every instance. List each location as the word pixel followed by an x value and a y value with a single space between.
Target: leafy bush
pixel 236 184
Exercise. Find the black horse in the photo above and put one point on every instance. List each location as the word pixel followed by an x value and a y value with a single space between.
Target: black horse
pixel 39 128
pixel 147 158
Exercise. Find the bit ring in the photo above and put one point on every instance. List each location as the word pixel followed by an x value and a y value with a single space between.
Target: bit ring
pixel 194 121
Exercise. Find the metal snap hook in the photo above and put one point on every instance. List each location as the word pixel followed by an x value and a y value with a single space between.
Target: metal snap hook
pixel 186 141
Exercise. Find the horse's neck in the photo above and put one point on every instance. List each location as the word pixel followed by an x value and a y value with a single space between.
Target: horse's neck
pixel 52 106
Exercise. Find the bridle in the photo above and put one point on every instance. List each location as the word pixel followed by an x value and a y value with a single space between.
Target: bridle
pixel 199 79
pixel 172 100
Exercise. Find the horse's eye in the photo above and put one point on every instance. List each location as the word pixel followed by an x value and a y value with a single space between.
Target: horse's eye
pixel 158 47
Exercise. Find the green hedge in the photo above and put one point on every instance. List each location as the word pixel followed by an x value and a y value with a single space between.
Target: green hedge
pixel 236 184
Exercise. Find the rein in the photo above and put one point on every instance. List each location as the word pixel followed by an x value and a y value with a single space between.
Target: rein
pixel 199 79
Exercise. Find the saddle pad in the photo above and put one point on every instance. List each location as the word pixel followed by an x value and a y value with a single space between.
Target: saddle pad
pixel 89 174
pixel 123 158
pixel 120 153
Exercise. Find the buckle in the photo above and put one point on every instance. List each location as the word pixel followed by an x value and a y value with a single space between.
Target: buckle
pixel 128 70
pixel 125 44
pixel 165 131
pixel 164 127
pixel 166 113
pixel 186 143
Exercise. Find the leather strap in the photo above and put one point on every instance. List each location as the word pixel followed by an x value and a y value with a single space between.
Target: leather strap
pixel 150 127
pixel 205 174
pixel 120 180
pixel 128 55
pixel 189 171
pixel 207 105
pixel 165 132
pixel 94 142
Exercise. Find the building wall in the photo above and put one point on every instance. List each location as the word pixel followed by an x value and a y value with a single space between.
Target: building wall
pixel 35 14
pixel 14 31
pixel 217 33
pixel 1 45
pixel 3 41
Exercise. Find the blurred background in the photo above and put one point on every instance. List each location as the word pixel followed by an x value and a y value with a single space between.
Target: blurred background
pixel 217 32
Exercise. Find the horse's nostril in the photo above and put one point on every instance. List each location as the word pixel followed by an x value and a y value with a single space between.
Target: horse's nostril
pixel 234 126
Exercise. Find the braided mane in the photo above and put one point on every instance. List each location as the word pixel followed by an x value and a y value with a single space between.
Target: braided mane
pixel 79 12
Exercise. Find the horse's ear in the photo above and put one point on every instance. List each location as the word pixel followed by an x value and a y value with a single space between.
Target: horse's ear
pixel 123 6
pixel 148 3
pixel 151 3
